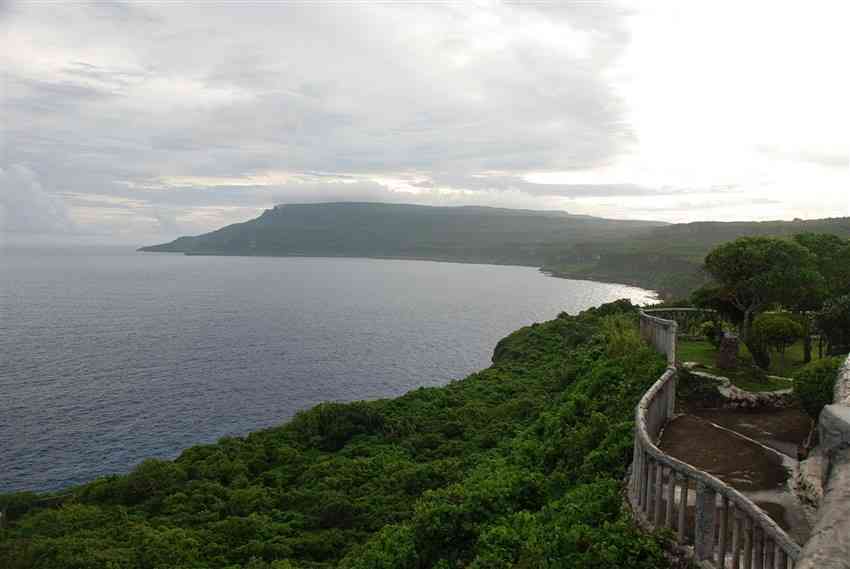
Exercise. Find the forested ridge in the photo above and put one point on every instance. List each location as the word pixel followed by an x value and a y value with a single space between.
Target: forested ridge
pixel 519 465
pixel 654 255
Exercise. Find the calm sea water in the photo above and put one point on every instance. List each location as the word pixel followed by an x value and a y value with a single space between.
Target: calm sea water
pixel 109 356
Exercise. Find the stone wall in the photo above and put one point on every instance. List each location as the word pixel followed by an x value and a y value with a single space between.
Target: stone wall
pixel 829 546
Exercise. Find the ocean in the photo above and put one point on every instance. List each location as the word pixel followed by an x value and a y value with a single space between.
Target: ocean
pixel 109 356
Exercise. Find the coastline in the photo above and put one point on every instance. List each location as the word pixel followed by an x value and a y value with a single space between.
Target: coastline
pixel 659 294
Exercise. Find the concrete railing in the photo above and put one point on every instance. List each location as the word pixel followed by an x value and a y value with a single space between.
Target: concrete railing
pixel 686 318
pixel 659 332
pixel 726 529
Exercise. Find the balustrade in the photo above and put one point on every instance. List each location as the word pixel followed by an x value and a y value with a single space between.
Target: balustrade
pixel 725 528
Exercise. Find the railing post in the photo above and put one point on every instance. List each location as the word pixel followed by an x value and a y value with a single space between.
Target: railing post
pixel 758 547
pixel 769 546
pixel 748 543
pixel 737 535
pixel 648 507
pixel 635 465
pixel 704 522
pixel 671 396
pixel 671 497
pixel 644 482
pixel 724 530
pixel 671 355
pixel 659 494
pixel 683 509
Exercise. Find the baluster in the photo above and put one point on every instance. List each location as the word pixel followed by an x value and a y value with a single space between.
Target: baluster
pixel 639 481
pixel 748 543
pixel 671 397
pixel 659 493
pixel 724 529
pixel 633 472
pixel 769 546
pixel 737 528
pixel 671 497
pixel 683 508
pixel 781 559
pixel 706 499
pixel 758 548
pixel 644 482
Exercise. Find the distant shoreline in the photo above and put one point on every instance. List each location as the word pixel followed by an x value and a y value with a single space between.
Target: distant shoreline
pixel 658 294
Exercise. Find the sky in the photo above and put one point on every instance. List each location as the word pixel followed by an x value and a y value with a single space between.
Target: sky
pixel 138 122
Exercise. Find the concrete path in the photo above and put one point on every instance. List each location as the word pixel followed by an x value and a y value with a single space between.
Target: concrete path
pixel 754 452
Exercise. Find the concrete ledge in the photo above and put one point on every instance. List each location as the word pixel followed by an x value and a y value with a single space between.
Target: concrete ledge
pixel 834 426
pixel 842 386
pixel 829 546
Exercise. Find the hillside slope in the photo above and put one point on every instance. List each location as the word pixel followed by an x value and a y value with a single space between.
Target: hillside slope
pixel 470 234
pixel 669 258
pixel 653 255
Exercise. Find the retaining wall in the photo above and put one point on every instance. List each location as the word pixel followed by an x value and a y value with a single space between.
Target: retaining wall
pixel 829 545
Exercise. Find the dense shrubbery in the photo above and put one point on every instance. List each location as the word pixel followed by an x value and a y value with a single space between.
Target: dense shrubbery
pixel 518 465
pixel 814 384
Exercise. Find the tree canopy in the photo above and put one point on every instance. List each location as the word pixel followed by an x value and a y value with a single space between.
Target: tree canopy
pixel 753 273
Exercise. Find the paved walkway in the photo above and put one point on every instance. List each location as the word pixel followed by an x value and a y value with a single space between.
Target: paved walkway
pixel 754 452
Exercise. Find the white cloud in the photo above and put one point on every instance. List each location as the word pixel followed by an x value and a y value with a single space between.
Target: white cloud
pixel 152 118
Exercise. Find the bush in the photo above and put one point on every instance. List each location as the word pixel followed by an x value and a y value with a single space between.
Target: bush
pixel 712 332
pixel 815 383
pixel 777 331
pixel 621 335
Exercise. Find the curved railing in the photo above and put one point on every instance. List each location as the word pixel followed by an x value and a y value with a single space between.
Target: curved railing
pixel 660 332
pixel 726 528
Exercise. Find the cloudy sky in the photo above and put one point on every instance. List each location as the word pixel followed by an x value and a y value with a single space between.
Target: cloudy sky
pixel 137 122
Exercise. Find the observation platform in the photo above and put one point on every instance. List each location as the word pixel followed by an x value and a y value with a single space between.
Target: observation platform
pixel 754 452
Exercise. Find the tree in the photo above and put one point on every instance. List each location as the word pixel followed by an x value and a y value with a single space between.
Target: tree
pixel 755 273
pixel 832 259
pixel 834 321
pixel 777 331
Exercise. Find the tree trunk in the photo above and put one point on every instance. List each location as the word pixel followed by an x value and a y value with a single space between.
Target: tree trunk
pixel 761 357
pixel 807 348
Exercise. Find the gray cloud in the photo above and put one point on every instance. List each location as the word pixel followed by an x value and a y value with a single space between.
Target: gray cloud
pixel 126 94
pixel 26 208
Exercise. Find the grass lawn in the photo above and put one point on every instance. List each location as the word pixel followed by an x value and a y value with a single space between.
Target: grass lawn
pixel 703 352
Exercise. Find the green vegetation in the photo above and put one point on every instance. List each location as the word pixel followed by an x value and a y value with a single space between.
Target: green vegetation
pixel 755 273
pixel 654 255
pixel 670 258
pixel 814 384
pixel 796 279
pixel 747 376
pixel 834 321
pixel 468 234
pixel 777 331
pixel 520 465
